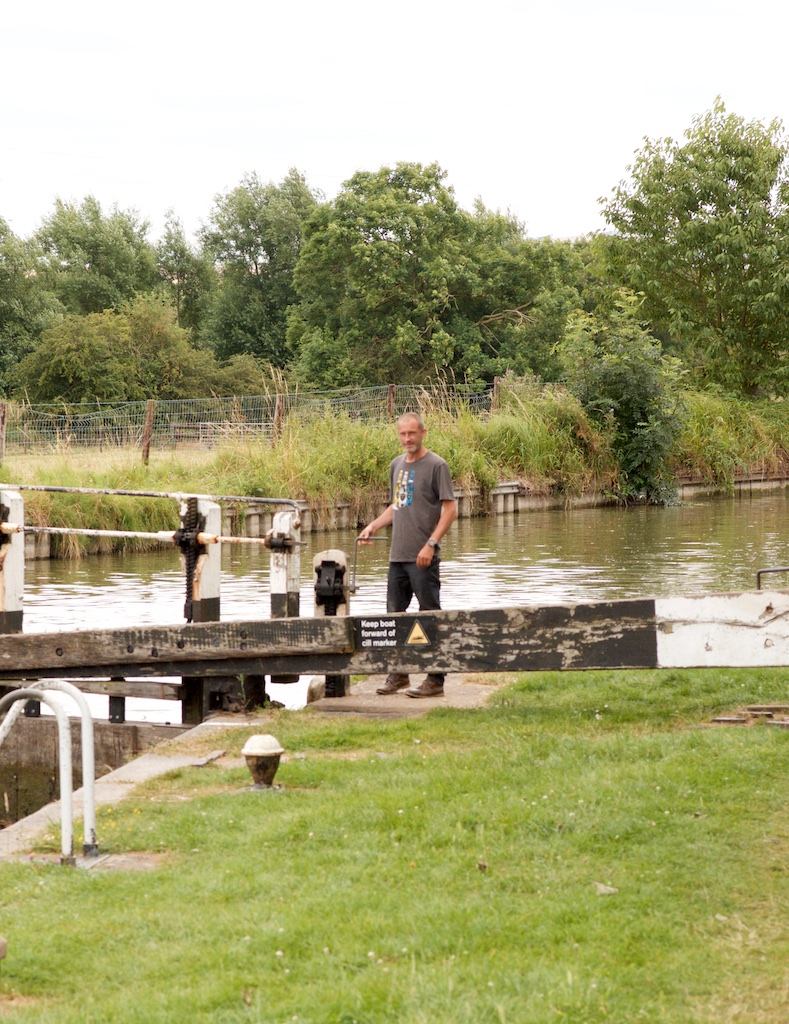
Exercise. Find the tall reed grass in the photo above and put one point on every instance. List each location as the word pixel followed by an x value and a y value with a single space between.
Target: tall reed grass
pixel 725 438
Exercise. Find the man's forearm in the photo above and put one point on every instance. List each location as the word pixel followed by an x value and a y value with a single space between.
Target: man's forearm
pixel 384 520
pixel 449 513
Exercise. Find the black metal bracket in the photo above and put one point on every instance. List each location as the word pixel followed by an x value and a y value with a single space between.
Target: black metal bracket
pixel 278 542
pixel 192 525
pixel 764 572
pixel 329 586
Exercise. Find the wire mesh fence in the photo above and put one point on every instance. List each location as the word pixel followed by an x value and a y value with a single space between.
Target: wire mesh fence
pixel 204 423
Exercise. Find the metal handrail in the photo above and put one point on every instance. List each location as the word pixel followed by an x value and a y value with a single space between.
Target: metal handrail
pixel 90 846
pixel 163 536
pixel 65 768
pixel 177 495
pixel 352 585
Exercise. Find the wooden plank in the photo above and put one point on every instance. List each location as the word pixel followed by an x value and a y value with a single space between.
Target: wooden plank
pixel 609 634
pixel 141 688
pixel 211 641
pixel 734 629
pixel 600 635
pixel 724 630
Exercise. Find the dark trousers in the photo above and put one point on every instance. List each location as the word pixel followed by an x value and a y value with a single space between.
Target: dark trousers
pixel 406 580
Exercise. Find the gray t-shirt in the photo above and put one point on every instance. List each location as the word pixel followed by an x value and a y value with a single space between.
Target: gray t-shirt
pixel 417 490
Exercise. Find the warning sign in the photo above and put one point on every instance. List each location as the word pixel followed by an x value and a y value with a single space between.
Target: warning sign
pixel 417 635
pixel 376 633
pixel 383 632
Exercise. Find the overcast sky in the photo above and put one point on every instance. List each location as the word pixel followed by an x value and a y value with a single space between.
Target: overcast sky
pixel 533 107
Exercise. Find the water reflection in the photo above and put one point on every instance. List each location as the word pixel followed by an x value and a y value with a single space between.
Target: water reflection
pixel 535 558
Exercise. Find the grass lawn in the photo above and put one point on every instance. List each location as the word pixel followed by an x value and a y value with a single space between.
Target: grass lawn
pixel 584 849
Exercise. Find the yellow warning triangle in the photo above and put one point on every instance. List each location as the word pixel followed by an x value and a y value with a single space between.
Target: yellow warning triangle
pixel 417 635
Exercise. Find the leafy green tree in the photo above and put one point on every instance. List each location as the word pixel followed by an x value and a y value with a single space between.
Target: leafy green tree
pixel 189 274
pixel 703 232
pixel 132 355
pixel 619 373
pixel 95 261
pixel 165 364
pixel 254 237
pixel 245 375
pixel 377 277
pixel 26 307
pixel 522 292
pixel 397 283
pixel 83 358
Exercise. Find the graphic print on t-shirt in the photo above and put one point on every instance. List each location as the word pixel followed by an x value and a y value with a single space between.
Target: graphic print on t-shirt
pixel 404 488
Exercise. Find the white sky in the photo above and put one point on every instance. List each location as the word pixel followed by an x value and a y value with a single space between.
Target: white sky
pixel 535 107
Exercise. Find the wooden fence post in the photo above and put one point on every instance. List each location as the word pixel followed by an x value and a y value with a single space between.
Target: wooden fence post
pixel 147 430
pixel 3 421
pixel 391 401
pixel 279 415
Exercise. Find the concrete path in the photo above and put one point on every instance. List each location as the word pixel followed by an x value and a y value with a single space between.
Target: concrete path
pixel 459 692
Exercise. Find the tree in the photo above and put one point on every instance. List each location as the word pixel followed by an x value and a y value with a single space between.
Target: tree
pixel 165 364
pixel 190 275
pixel 82 359
pixel 703 232
pixel 254 237
pixel 621 377
pixel 397 283
pixel 128 356
pixel 26 307
pixel 521 294
pixel 377 277
pixel 245 375
pixel 94 261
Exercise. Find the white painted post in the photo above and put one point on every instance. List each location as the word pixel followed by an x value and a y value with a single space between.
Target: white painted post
pixel 12 562
pixel 12 565
pixel 285 564
pixel 285 573
pixel 208 571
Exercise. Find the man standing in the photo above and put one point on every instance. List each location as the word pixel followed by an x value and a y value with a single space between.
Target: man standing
pixel 422 509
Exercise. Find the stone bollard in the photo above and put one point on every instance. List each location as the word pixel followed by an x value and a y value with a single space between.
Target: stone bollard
pixel 262 755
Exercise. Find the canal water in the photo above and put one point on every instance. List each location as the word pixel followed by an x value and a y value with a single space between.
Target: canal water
pixel 709 545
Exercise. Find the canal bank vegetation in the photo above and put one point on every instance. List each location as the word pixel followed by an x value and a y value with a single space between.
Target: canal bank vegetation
pixel 587 847
pixel 656 351
pixel 550 440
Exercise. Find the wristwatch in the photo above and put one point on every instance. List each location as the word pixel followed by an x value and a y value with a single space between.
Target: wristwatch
pixel 432 543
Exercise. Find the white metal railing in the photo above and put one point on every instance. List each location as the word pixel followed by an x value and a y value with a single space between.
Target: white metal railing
pixel 65 769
